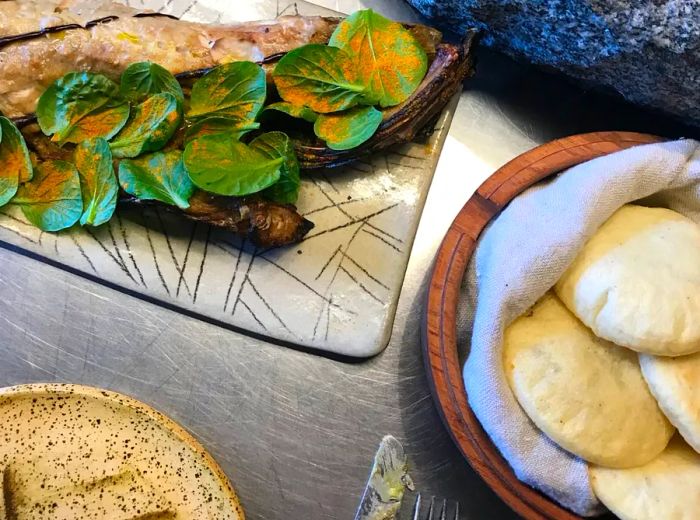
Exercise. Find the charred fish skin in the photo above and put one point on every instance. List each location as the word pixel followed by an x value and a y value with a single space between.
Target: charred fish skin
pixel 451 65
pixel 265 223
pixel 28 67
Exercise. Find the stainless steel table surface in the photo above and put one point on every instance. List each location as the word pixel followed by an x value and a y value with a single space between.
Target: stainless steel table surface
pixel 296 432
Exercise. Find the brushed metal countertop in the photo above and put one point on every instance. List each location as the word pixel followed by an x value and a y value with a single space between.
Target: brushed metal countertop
pixel 296 432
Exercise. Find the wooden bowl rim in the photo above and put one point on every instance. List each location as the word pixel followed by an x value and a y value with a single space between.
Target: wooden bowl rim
pixel 439 325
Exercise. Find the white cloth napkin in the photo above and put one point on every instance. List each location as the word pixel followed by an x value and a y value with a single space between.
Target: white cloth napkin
pixel 521 255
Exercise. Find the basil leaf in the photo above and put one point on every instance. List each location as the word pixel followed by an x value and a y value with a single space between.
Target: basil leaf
pixel 14 158
pixel 299 112
pixel 219 125
pixel 236 90
pixel 150 127
pixel 346 130
pixel 220 164
pixel 320 77
pixel 159 176
pixel 93 160
pixel 105 123
pixel 71 98
pixel 51 200
pixel 390 61
pixel 278 144
pixel 140 80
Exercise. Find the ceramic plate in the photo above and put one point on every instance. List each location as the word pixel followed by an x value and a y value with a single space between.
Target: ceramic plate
pixel 76 452
pixel 336 291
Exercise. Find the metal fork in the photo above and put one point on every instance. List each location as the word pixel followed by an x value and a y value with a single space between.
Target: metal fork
pixel 432 510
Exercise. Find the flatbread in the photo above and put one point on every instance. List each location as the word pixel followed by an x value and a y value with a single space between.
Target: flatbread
pixel 675 382
pixel 666 488
pixel 585 393
pixel 637 282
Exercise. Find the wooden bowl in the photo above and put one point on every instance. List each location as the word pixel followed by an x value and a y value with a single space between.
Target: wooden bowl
pixel 442 354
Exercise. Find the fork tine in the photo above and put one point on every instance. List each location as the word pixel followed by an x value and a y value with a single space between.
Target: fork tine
pixel 416 508
pixel 443 512
pixel 431 509
pixel 456 510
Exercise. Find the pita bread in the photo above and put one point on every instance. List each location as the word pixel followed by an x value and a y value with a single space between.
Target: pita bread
pixel 585 393
pixel 666 488
pixel 675 382
pixel 637 282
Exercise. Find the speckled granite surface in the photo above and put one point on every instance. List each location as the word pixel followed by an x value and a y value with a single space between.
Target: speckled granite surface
pixel 649 51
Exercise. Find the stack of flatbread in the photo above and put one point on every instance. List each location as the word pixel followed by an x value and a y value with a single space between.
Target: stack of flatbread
pixel 608 363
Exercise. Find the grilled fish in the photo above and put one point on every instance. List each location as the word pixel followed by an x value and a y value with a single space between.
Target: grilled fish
pixel 41 40
pixel 36 48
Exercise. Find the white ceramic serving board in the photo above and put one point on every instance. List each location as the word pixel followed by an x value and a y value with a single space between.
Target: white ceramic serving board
pixel 336 291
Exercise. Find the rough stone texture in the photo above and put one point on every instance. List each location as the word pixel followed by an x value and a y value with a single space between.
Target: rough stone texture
pixel 649 51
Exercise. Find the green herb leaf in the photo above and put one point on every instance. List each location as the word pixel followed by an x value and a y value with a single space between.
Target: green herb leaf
pixel 52 200
pixel 219 125
pixel 346 130
pixel 14 158
pixel 104 122
pixel 236 90
pixel 150 127
pixel 72 97
pixel 299 112
pixel 141 80
pixel 220 164
pixel 390 61
pixel 320 77
pixel 93 160
pixel 159 176
pixel 274 145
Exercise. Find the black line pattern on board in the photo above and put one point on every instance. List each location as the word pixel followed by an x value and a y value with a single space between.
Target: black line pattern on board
pixel 266 304
pixel 17 233
pixel 235 273
pixel 281 12
pixel 172 254
pixel 119 263
pixel 117 249
pixel 82 252
pixel 361 285
pixel 365 271
pixel 378 237
pixel 153 252
pixel 189 8
pixel 250 311
pixel 328 262
pixel 181 278
pixel 303 283
pixel 328 319
pixel 334 205
pixel 351 223
pixel 385 233
pixel 195 264
pixel 201 266
pixel 240 289
pixel 122 230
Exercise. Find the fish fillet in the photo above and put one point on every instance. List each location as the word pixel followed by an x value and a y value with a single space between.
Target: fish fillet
pixel 28 67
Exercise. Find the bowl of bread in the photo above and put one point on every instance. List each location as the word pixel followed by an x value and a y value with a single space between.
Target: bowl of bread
pixel 562 332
